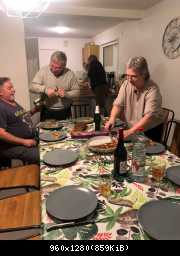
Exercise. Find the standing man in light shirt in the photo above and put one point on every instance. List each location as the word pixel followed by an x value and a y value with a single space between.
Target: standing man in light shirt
pixel 59 84
pixel 138 102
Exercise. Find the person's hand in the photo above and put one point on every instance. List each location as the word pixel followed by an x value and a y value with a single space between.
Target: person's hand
pixel 110 124
pixel 50 92
pixel 29 143
pixel 127 133
pixel 61 92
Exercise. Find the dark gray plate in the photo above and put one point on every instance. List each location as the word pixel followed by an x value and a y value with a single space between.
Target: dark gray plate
pixel 50 136
pixel 157 148
pixel 173 174
pixel 71 203
pixel 160 219
pixel 59 157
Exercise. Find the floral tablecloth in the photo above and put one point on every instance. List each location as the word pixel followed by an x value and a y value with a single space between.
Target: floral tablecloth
pixel 117 214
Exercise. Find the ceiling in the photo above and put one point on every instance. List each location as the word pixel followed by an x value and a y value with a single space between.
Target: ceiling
pixel 79 26
pixel 116 4
pixel 85 18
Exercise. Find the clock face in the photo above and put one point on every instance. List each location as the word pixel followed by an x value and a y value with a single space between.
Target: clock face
pixel 171 39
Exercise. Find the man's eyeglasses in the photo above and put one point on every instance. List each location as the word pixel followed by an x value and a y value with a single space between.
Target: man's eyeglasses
pixel 134 77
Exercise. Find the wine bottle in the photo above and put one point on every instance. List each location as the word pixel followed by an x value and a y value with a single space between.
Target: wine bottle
pixel 97 119
pixel 40 101
pixel 120 170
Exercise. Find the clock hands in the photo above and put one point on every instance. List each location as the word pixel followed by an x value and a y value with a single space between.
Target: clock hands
pixel 177 48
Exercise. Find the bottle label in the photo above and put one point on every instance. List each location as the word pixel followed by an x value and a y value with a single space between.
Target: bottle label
pixel 122 167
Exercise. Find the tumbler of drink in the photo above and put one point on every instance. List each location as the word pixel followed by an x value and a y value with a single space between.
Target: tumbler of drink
pixel 105 185
pixel 158 170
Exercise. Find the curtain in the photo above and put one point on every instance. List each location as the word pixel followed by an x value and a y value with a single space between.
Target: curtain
pixel 32 56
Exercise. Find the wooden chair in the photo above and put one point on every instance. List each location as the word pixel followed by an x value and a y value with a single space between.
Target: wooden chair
pixel 19 180
pixel 168 119
pixel 80 109
pixel 173 137
pixel 20 217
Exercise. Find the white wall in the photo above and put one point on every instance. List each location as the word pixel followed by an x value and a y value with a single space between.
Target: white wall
pixel 13 59
pixel 71 46
pixel 145 38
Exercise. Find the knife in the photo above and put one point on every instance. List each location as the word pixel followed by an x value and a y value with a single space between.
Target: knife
pixel 51 227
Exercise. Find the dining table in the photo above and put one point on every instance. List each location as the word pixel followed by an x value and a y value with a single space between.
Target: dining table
pixel 117 214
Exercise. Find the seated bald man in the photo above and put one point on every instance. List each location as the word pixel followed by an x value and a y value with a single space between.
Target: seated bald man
pixel 17 137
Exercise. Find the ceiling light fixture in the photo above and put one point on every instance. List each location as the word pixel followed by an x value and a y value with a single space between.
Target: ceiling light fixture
pixel 25 9
pixel 60 30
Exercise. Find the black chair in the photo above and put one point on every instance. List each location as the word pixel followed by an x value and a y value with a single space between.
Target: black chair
pixel 168 119
pixel 5 163
pixel 80 109
pixel 173 137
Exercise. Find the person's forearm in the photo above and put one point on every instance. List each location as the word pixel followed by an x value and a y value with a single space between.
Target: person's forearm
pixel 114 112
pixel 72 94
pixel 6 136
pixel 37 88
pixel 35 110
pixel 143 122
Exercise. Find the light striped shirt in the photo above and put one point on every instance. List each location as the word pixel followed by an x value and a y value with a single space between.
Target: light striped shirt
pixel 46 79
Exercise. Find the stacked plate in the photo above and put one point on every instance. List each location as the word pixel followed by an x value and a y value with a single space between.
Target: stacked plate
pixel 86 120
pixel 51 125
pixel 52 136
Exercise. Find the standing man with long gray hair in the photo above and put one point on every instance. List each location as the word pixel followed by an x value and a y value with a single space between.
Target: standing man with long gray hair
pixel 59 84
pixel 138 102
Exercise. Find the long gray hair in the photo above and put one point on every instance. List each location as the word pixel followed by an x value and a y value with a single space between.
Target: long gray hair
pixel 139 64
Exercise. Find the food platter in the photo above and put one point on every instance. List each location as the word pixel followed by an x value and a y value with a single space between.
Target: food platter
pixel 51 125
pixel 86 120
pixel 102 144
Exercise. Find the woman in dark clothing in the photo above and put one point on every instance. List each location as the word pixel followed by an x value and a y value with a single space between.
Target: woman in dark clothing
pixel 98 83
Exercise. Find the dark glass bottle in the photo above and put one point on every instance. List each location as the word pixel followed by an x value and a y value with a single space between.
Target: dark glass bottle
pixel 120 170
pixel 97 119
pixel 40 101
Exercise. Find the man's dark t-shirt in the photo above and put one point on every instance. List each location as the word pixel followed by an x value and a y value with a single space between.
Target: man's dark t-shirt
pixel 14 122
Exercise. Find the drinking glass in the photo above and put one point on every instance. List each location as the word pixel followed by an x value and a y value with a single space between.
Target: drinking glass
pixel 105 185
pixel 158 171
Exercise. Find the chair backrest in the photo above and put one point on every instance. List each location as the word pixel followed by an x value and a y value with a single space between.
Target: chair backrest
pixel 19 214
pixel 174 137
pixel 5 163
pixel 168 119
pixel 80 109
pixel 19 180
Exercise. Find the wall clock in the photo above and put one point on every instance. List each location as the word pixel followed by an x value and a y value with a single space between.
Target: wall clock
pixel 171 39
